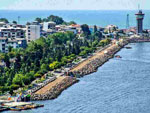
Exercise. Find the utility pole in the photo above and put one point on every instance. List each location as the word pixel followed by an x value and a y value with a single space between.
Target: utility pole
pixel 18 19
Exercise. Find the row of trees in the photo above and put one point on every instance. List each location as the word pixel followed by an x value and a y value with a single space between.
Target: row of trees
pixel 6 21
pixel 45 54
pixel 58 20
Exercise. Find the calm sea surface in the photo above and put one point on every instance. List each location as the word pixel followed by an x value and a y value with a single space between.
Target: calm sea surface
pixel 119 86
pixel 100 18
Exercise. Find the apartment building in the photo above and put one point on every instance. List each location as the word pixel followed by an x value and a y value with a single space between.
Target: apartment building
pixel 33 31
pixel 49 25
pixel 12 32
pixel 5 43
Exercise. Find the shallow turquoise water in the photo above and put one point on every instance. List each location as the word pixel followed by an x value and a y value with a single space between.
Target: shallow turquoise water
pixel 100 17
pixel 119 86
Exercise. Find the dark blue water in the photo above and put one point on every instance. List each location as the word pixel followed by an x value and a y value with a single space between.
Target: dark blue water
pixel 119 86
pixel 100 18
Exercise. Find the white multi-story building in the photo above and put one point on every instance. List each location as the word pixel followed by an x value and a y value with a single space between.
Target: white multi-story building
pixel 2 24
pixel 33 31
pixel 5 43
pixel 12 32
pixel 49 25
pixel 73 28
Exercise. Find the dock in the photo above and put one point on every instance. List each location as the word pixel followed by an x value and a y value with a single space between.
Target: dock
pixel 18 106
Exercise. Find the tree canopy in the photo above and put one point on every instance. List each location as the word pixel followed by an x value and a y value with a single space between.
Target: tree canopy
pixel 4 20
pixel 43 55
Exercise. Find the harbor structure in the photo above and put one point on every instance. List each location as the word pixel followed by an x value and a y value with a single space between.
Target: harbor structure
pixel 139 18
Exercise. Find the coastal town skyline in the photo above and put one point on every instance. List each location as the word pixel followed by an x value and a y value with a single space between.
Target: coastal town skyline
pixel 73 5
pixel 74 56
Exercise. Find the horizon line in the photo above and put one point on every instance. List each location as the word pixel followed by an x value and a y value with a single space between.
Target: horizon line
pixel 71 9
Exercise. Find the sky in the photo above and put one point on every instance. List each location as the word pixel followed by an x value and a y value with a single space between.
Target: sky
pixel 74 4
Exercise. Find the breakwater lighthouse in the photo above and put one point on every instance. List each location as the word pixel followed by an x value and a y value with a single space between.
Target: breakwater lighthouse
pixel 139 18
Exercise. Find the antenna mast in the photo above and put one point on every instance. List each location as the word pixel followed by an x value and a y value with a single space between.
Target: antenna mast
pixel 18 19
pixel 127 22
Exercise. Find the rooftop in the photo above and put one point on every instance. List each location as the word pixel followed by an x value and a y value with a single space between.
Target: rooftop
pixel 3 38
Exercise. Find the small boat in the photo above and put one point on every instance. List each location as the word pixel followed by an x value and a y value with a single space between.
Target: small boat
pixel 28 106
pixel 22 107
pixel 118 56
pixel 3 109
pixel 39 105
pixel 128 47
pixel 34 106
pixel 15 109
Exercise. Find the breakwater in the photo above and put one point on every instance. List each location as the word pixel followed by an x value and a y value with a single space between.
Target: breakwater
pixel 119 82
pixel 103 56
pixel 42 85
pixel 93 64
pixel 139 39
pixel 55 90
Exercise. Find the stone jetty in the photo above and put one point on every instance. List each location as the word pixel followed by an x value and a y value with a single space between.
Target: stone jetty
pixel 139 39
pixel 92 64
pixel 55 86
pixel 51 79
pixel 53 89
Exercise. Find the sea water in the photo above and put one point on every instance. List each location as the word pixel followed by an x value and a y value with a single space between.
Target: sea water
pixel 95 17
pixel 119 86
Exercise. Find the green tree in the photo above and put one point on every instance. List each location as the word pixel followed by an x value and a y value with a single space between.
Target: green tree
pixel 39 20
pixel 4 20
pixel 6 60
pixel 18 80
pixel 72 22
pixel 86 30
pixel 95 28
pixel 54 65
pixel 56 19
pixel 14 22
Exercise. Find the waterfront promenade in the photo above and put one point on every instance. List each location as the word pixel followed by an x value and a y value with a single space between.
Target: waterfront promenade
pixel 96 55
pixel 54 88
pixel 91 64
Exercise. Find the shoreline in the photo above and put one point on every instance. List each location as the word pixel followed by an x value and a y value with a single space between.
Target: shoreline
pixel 91 64
pixel 86 67
pixel 53 89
